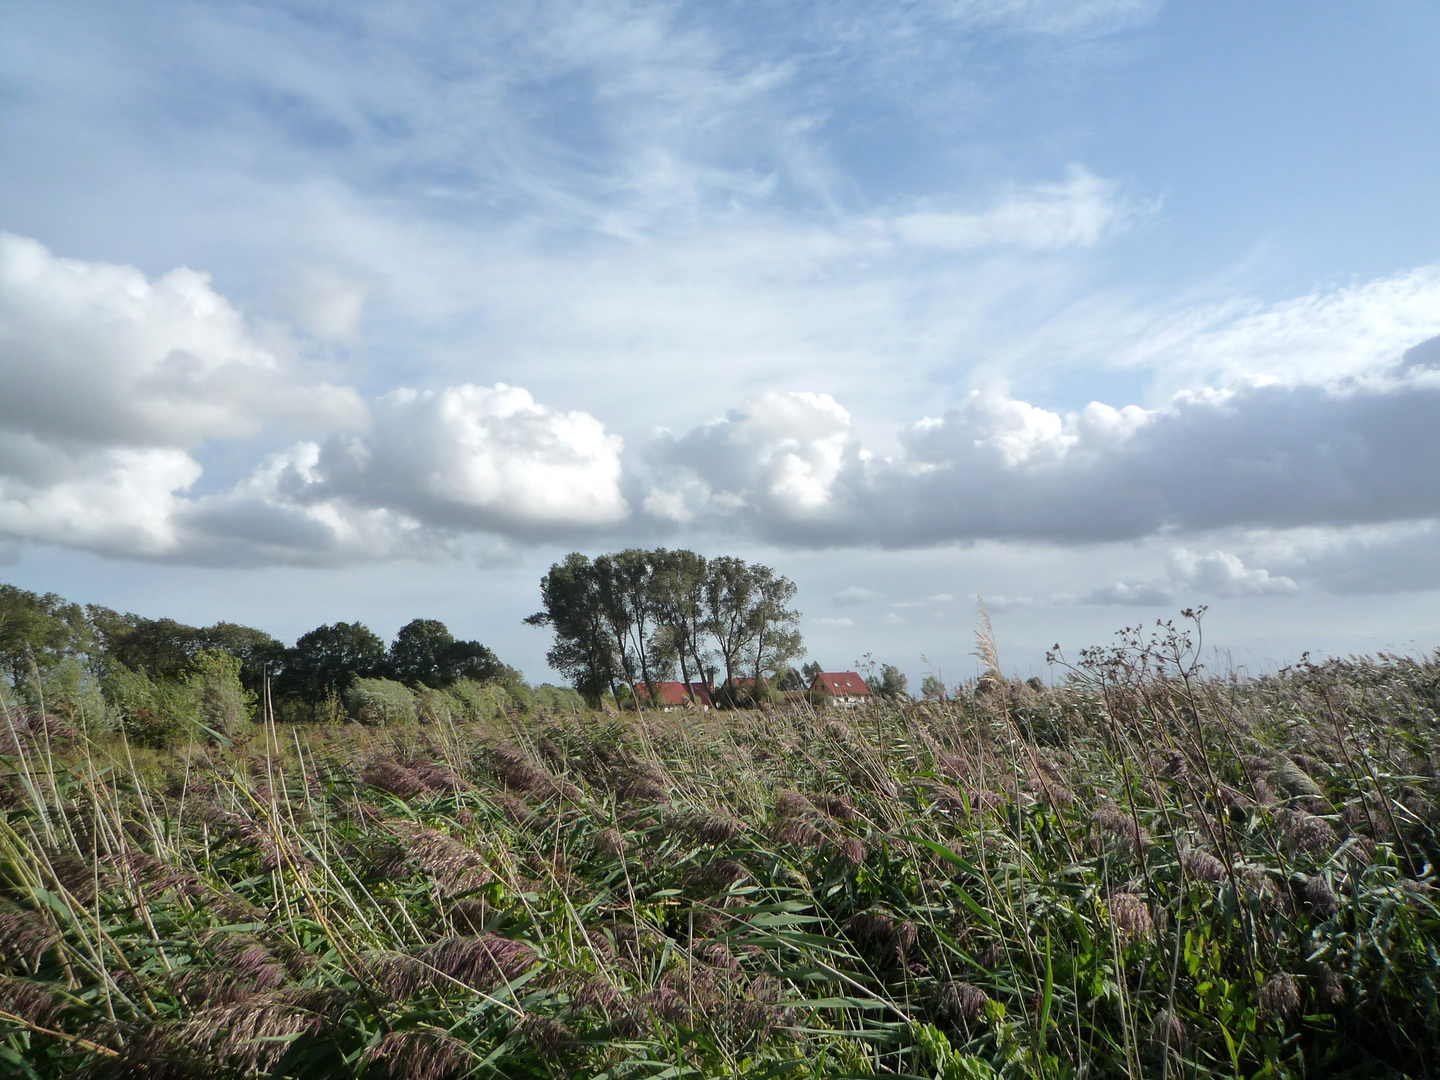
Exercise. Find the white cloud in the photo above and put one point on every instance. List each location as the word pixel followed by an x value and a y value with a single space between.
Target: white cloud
pixel 1358 331
pixel 1219 573
pixel 116 500
pixel 1079 212
pixel 100 355
pixel 854 596
pixel 779 455
pixel 831 620
pixel 1256 454
pixel 482 458
pixel 434 467
pixel 116 385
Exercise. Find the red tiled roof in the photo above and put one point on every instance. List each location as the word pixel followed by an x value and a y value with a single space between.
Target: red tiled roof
pixel 674 693
pixel 840 684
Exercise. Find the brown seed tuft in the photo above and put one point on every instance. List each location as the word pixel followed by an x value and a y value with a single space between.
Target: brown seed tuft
pixel 794 832
pixel 836 806
pixel 1305 833
pixel 853 852
pixel 390 776
pixel 1131 916
pixel 962 1001
pixel 1328 984
pixel 1122 828
pixel 719 828
pixel 544 1034
pixel 1318 896
pixel 24 935
pixel 30 1001
pixel 719 876
pixel 1280 996
pixel 419 1054
pixel 610 842
pixel 1202 866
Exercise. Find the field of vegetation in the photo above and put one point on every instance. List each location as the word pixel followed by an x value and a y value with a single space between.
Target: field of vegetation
pixel 1137 869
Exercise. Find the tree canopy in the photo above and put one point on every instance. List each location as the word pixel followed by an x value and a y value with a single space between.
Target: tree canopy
pixel 634 617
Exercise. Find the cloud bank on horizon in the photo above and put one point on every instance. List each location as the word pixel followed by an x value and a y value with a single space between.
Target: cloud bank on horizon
pixel 115 381
pixel 310 286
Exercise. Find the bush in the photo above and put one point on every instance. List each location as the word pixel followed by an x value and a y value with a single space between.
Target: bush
pixel 225 706
pixel 522 698
pixel 475 701
pixel 558 699
pixel 380 701
pixel 153 712
pixel 72 693
pixel 435 706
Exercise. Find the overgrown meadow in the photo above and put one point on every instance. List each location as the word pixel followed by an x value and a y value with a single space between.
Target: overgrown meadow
pixel 1138 870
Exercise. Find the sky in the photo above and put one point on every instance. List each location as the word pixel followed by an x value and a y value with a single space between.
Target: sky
pixel 1098 310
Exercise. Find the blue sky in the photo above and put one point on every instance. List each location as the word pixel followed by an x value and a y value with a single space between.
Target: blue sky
pixel 1099 309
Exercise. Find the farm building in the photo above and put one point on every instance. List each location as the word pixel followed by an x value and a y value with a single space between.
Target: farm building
pixel 673 695
pixel 844 688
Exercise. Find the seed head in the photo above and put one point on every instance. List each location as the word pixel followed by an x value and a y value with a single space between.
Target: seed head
pixel 1131 915
pixel 962 1000
pixel 1280 996
pixel 1167 1031
pixel 1202 866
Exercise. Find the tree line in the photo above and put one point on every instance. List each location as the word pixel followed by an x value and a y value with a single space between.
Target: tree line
pixel 73 660
pixel 639 617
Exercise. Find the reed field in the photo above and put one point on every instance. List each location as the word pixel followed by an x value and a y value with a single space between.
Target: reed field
pixel 1134 869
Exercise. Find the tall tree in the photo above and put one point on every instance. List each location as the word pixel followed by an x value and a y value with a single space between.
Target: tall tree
pixel 44 629
pixel 583 651
pixel 775 625
pixel 678 592
pixel 615 576
pixel 417 655
pixel 329 658
pixel 729 618
pixel 425 653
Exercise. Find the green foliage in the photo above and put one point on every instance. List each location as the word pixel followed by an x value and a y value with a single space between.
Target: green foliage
pixel 380 701
pixel 425 653
pixel 891 685
pixel 558 700
pixel 329 658
pixel 68 690
pixel 154 712
pixel 478 702
pixel 224 706
pixel 635 616
pixel 1207 878
pixel 43 630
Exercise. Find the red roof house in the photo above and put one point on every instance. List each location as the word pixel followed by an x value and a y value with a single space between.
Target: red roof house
pixel 673 695
pixel 841 687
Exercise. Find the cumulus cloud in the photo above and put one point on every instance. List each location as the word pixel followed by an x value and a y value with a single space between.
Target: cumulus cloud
pixel 1214 574
pixel 1256 454
pixel 100 355
pixel 435 465
pixel 116 384
pixel 778 457
pixel 1220 573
